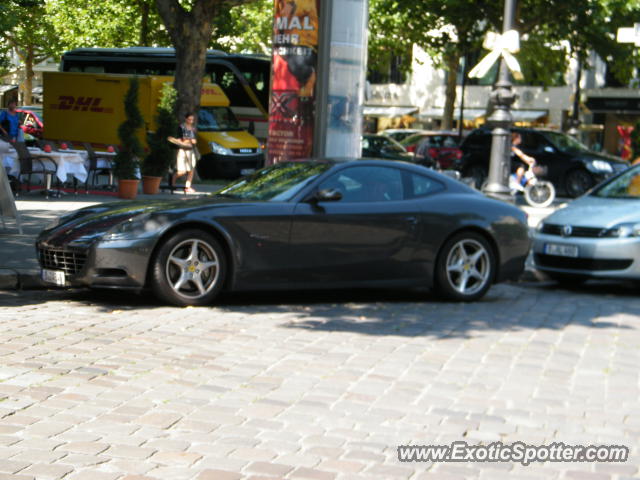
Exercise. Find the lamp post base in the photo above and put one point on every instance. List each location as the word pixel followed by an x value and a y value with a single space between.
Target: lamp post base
pixel 499 192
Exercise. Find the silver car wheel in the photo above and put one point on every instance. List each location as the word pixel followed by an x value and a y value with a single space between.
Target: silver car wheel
pixel 468 267
pixel 192 268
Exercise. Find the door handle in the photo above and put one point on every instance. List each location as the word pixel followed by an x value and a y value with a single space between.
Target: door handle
pixel 413 221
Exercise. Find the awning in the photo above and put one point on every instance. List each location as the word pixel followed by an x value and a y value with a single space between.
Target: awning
pixel 475 113
pixel 467 113
pixel 528 115
pixel 380 111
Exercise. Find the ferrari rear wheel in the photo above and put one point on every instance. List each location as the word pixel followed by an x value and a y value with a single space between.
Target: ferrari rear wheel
pixel 189 268
pixel 465 268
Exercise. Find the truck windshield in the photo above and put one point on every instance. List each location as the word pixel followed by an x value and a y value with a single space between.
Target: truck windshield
pixel 216 119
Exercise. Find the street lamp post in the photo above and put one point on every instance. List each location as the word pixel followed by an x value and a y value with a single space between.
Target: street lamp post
pixel 501 120
pixel 574 121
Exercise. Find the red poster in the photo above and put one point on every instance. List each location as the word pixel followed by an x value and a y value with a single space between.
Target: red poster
pixel 293 79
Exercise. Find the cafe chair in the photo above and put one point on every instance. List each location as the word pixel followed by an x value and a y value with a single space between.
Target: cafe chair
pixel 98 165
pixel 37 164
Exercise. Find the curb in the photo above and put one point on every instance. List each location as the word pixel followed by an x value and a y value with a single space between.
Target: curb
pixel 11 279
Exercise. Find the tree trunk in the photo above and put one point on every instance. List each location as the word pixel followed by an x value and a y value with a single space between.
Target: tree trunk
pixel 452 61
pixel 190 33
pixel 144 23
pixel 27 86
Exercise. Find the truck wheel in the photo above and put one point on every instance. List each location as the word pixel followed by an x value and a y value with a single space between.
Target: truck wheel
pixel 206 168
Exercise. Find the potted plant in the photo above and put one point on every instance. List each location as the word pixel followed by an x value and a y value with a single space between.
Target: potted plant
pixel 126 162
pixel 161 153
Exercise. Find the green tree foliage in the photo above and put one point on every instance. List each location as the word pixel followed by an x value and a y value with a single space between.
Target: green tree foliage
pixel 551 31
pixel 127 160
pixel 106 23
pixel 161 152
pixel 245 28
pixel 26 30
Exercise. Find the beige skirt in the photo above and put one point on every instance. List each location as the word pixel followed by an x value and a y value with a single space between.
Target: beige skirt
pixel 186 160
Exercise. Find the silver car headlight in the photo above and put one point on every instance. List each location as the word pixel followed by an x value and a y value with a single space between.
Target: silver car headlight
pixel 219 149
pixel 623 230
pixel 135 228
pixel 600 166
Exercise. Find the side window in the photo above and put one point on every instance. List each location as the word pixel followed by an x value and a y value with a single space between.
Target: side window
pixel 531 141
pixel 421 186
pixel 449 142
pixel 367 184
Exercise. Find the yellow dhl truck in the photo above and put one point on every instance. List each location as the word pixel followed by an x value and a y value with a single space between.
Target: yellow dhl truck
pixel 87 107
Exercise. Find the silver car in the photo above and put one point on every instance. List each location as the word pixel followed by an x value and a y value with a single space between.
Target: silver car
pixel 595 236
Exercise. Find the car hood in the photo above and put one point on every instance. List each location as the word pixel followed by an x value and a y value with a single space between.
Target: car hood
pixel 600 156
pixel 590 211
pixel 91 223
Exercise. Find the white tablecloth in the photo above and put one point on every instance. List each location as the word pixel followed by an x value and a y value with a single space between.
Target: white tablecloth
pixel 68 163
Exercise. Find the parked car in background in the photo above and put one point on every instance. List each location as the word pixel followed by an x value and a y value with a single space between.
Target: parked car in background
pixel 595 236
pixel 381 146
pixel 309 224
pixel 399 134
pixel 436 149
pixel 570 166
pixel 31 120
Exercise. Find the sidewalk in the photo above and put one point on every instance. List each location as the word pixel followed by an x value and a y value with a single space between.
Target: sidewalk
pixel 18 263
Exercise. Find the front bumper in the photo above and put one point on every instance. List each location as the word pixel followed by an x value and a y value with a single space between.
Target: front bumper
pixel 113 264
pixel 233 165
pixel 597 257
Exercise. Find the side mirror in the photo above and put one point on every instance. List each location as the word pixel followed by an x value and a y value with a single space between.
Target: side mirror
pixel 328 195
pixel 252 128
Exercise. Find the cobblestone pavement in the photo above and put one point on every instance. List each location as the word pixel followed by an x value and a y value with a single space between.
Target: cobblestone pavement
pixel 106 386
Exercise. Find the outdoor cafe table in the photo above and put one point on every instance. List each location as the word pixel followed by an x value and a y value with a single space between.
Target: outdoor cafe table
pixel 68 163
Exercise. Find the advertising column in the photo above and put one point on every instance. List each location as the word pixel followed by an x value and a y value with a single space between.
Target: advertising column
pixel 341 78
pixel 293 80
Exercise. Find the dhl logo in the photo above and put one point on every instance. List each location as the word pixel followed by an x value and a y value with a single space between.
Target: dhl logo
pixel 81 104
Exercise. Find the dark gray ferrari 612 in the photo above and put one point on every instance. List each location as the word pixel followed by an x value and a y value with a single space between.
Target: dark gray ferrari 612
pixel 315 224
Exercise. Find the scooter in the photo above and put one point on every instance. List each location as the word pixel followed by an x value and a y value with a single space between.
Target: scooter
pixel 537 192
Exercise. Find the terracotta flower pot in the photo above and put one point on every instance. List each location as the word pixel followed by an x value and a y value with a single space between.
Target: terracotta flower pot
pixel 150 185
pixel 128 189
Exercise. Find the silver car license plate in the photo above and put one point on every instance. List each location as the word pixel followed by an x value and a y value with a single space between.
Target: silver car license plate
pixel 53 276
pixel 561 250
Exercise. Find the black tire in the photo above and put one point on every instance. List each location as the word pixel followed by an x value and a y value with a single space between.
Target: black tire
pixel 541 194
pixel 577 182
pixel 206 168
pixel 461 256
pixel 189 268
pixel 478 173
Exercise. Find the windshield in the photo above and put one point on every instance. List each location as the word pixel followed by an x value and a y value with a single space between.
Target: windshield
pixel 216 119
pixel 626 185
pixel 565 143
pixel 277 183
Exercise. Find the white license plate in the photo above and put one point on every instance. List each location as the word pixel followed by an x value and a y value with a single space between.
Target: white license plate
pixel 561 250
pixel 53 276
pixel 247 171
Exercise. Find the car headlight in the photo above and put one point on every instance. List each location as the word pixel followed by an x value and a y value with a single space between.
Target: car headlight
pixel 600 166
pixel 134 228
pixel 623 230
pixel 219 149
